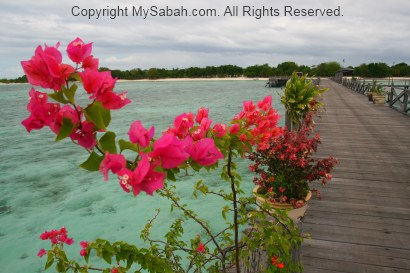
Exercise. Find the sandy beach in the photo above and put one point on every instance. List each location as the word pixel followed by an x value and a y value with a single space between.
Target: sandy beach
pixel 197 79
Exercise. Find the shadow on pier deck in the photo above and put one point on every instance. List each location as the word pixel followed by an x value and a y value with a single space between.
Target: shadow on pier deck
pixel 362 223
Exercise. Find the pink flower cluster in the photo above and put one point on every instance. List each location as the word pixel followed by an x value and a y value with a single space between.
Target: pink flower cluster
pixel 261 121
pixel 45 69
pixel 56 237
pixel 178 145
pixel 84 245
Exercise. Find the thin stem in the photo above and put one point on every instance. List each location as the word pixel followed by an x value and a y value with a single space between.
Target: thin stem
pixel 235 212
pixel 193 217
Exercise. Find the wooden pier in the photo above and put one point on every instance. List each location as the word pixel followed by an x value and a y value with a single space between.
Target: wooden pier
pixel 362 223
pixel 277 81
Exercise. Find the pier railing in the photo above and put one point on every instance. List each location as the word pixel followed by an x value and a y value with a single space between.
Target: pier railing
pixel 397 95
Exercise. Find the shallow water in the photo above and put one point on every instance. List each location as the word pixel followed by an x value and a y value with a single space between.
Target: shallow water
pixel 42 187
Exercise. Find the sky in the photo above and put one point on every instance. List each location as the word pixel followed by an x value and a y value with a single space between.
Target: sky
pixel 365 31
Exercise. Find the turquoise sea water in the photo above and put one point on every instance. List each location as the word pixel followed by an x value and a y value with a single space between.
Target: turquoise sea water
pixel 42 187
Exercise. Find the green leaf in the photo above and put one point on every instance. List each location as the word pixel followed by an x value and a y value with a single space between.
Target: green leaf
pixel 107 142
pixel 65 130
pixel 50 260
pixel 126 145
pixel 75 77
pixel 224 211
pixel 97 114
pixel 70 92
pixel 87 256
pixel 107 256
pixel 195 166
pixel 60 267
pixel 171 175
pixel 58 96
pixel 92 163
pixel 129 263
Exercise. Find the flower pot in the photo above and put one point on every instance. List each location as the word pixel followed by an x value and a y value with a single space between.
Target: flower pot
pixel 378 99
pixel 296 214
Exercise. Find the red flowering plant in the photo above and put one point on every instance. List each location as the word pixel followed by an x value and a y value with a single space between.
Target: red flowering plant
pixel 143 163
pixel 285 169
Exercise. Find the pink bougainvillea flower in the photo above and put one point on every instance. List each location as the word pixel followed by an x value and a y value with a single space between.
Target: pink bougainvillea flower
pixel 90 63
pixel 36 98
pixel 45 68
pixel 97 83
pixel 143 178
pixel 248 106
pixel 205 124
pixel 198 134
pixel 65 112
pixel 112 162
pixel 41 112
pixel 78 51
pixel 83 252
pixel 84 244
pixel 113 101
pixel 37 119
pixel 69 241
pixel 170 151
pixel 204 152
pixel 234 128
pixel 182 124
pixel 57 236
pixel 219 129
pixel 85 136
pixel 242 137
pixel 200 248
pixel 138 134
pixel 41 253
pixel 202 113
pixel 266 103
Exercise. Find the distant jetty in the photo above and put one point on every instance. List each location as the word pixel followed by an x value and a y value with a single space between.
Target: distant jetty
pixel 277 81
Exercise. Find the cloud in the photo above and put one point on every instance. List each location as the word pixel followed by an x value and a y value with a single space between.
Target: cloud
pixel 368 31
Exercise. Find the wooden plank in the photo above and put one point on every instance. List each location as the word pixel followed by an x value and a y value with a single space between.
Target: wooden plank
pixel 327 204
pixel 358 249
pixel 384 224
pixel 314 264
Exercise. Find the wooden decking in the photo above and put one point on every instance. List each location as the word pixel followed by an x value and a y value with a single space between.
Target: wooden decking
pixel 362 223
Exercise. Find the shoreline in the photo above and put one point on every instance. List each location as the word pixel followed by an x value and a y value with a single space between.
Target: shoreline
pixel 197 79
pixel 221 79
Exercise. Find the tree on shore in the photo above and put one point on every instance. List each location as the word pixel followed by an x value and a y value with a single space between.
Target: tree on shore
pixel 328 69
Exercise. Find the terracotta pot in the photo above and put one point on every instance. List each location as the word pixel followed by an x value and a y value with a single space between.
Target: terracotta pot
pixel 296 214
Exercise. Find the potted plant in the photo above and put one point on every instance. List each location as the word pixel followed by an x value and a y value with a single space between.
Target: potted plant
pixel 378 95
pixel 285 170
pixel 298 95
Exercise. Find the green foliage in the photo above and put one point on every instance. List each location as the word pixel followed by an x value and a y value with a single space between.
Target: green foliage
pixel 326 69
pixel 298 97
pixel 107 142
pixel 65 130
pixel 98 115
pixel 93 162
pixel 287 68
